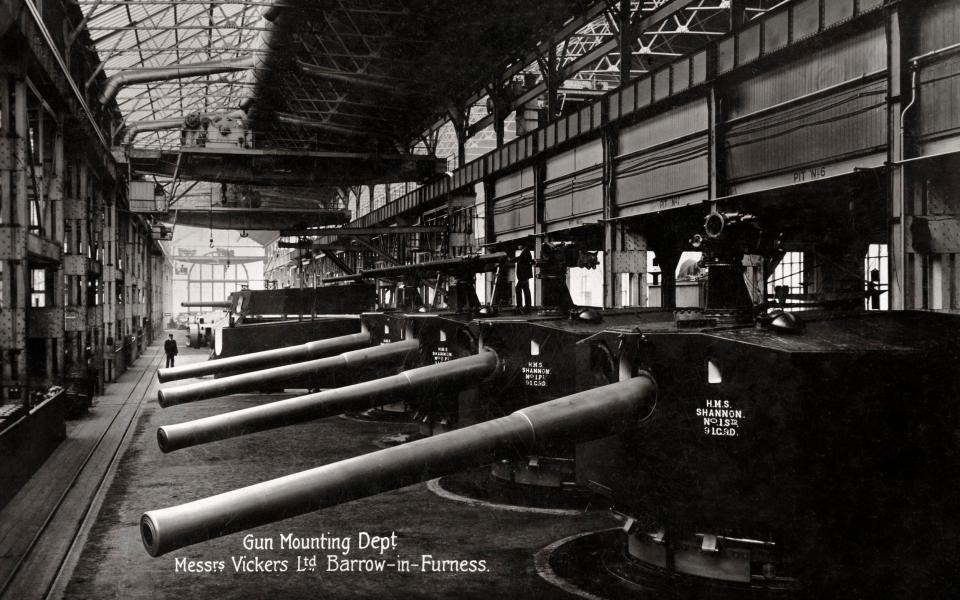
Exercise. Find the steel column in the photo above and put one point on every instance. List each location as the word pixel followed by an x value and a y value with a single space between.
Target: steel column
pixel 900 91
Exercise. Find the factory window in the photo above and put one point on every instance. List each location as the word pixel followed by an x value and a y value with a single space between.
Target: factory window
pixel 789 276
pixel 876 270
pixel 586 285
pixel 34 211
pixel 40 292
pixel 215 282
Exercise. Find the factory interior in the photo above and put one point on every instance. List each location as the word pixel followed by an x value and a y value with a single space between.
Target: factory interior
pixel 603 299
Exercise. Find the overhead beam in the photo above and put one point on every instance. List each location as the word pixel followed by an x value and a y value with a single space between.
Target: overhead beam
pixel 251 219
pixel 218 260
pixel 308 245
pixel 355 231
pixel 364 231
pixel 301 244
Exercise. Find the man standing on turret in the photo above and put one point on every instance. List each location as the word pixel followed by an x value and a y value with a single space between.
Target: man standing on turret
pixel 170 348
pixel 524 274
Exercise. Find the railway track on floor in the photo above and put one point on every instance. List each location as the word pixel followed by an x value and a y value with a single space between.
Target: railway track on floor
pixel 108 449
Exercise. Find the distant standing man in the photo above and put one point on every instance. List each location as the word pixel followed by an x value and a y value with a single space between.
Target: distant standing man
pixel 170 347
pixel 524 273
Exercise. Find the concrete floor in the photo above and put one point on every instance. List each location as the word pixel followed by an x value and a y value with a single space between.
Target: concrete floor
pixel 111 562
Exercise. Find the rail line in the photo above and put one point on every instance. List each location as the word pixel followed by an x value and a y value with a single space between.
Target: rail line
pixel 103 483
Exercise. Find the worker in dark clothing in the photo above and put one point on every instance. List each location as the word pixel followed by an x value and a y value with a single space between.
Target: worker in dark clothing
pixel 524 274
pixel 170 348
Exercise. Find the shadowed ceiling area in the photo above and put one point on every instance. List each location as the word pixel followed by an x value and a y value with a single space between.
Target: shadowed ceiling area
pixel 374 74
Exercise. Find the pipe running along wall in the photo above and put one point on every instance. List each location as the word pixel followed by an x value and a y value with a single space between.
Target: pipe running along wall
pixel 451 375
pixel 322 372
pixel 267 358
pixel 576 418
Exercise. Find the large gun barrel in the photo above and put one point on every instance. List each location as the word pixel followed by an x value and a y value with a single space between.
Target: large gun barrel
pixel 448 375
pixel 322 372
pixel 583 416
pixel 268 358
pixel 470 263
pixel 210 304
